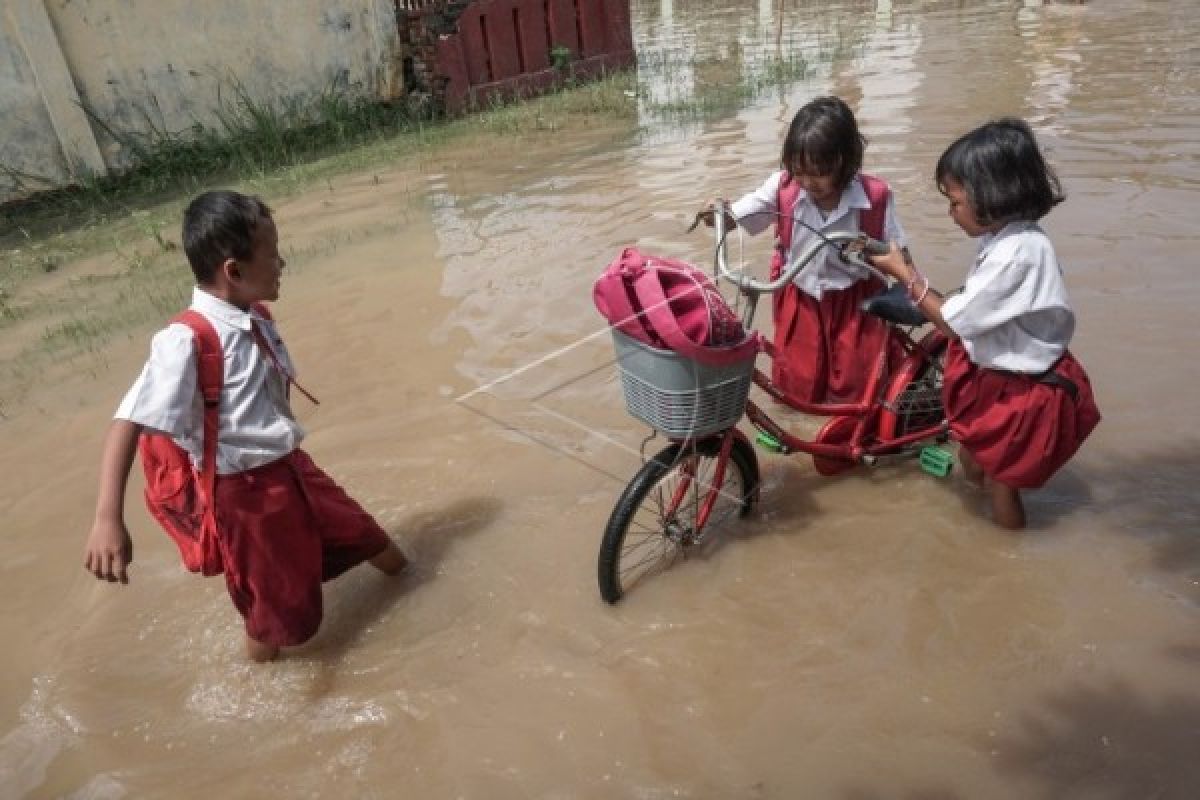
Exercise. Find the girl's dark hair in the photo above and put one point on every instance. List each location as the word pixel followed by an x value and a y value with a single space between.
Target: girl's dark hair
pixel 220 225
pixel 824 138
pixel 1002 172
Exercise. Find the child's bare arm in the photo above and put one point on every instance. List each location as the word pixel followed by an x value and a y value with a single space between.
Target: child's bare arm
pixel 897 264
pixel 109 548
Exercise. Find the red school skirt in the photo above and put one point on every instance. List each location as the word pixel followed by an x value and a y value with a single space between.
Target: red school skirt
pixel 283 528
pixel 826 350
pixel 1019 429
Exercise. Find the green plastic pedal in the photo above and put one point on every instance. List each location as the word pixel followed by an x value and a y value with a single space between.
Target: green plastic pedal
pixel 936 461
pixel 768 442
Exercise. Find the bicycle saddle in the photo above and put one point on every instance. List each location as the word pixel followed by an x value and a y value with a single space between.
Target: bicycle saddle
pixel 893 305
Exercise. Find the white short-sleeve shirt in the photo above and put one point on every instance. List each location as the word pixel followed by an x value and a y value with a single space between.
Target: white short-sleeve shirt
pixel 1013 312
pixel 255 421
pixel 756 211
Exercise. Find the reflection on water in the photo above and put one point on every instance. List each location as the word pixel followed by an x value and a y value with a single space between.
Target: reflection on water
pixel 867 636
pixel 697 57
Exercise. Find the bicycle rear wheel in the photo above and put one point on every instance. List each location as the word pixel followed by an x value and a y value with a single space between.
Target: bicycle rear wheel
pixel 913 400
pixel 654 520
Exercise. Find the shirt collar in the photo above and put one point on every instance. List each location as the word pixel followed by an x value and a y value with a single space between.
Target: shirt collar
pixel 988 240
pixel 215 307
pixel 853 196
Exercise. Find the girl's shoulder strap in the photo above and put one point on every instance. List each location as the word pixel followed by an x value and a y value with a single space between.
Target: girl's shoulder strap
pixel 789 193
pixel 785 203
pixel 871 221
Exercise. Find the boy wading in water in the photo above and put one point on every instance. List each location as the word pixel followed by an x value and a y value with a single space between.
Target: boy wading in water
pixel 282 526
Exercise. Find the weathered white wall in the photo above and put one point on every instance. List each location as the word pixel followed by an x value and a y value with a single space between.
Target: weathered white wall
pixel 140 66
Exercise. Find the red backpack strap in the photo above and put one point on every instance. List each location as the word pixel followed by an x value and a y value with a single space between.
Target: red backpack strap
pixel 612 294
pixel 871 220
pixel 656 306
pixel 263 310
pixel 789 193
pixel 210 367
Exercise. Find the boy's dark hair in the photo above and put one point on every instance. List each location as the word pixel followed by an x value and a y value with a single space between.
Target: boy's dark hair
pixel 1002 172
pixel 824 138
pixel 220 225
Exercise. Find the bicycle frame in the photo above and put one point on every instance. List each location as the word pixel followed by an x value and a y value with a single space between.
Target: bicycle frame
pixel 718 480
pixel 654 520
pixel 858 447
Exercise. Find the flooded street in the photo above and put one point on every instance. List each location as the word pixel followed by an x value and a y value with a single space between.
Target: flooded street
pixel 865 636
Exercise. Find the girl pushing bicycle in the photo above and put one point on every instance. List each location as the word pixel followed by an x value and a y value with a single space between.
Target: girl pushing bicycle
pixel 825 346
pixel 995 372
pixel 1017 401
pixel 843 349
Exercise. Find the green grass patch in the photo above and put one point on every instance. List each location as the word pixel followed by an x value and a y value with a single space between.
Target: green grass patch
pixel 686 86
pixel 253 142
pixel 54 307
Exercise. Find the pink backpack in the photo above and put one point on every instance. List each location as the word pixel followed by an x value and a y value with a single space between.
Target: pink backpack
pixel 671 305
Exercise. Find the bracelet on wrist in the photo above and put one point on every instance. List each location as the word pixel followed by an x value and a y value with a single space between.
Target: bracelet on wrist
pixel 924 294
pixel 911 287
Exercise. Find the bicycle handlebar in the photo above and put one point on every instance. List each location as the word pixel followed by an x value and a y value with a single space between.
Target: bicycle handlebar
pixel 875 247
pixel 789 272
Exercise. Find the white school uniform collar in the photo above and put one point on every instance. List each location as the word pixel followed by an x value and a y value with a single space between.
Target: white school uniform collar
pixel 854 196
pixel 215 307
pixel 988 240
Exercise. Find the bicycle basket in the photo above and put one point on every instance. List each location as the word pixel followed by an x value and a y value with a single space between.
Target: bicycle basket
pixel 682 398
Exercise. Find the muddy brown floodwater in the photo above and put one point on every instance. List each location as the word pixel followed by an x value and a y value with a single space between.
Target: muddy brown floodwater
pixel 869 636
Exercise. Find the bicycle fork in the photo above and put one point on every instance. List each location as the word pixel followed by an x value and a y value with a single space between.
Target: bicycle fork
pixel 712 491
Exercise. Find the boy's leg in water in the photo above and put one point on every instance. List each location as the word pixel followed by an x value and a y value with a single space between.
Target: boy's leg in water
pixel 349 535
pixel 391 561
pixel 260 652
pixel 1007 509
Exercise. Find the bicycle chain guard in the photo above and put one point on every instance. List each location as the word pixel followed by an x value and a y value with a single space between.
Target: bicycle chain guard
pixel 837 431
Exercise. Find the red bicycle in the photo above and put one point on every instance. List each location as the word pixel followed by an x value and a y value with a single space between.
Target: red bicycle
pixel 709 473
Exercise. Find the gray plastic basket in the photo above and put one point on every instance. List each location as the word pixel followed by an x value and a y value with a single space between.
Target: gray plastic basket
pixel 680 397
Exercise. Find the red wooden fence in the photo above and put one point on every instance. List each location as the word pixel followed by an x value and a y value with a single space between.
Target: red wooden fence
pixel 503 48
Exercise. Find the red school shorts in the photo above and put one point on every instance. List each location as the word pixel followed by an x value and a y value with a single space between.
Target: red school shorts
pixel 283 528
pixel 826 350
pixel 1019 430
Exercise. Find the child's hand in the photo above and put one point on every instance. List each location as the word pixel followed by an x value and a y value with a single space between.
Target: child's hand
pixel 894 264
pixel 109 551
pixel 708 214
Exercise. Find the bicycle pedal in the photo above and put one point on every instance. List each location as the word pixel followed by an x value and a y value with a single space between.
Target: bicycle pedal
pixel 768 442
pixel 936 461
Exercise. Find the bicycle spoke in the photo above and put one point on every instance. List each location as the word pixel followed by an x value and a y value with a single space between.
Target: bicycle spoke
pixel 655 525
pixel 649 559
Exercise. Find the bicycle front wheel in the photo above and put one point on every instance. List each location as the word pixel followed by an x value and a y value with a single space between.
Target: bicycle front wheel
pixel 656 518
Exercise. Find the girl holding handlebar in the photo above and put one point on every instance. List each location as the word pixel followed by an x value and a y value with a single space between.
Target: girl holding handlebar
pixel 826 347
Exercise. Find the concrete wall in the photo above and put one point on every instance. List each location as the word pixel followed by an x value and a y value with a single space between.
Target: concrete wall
pixel 147 66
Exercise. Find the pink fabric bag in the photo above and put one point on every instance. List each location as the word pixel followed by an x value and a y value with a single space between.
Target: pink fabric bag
pixel 671 305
